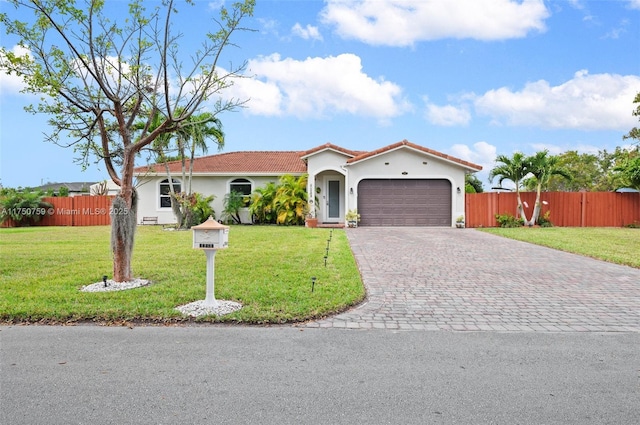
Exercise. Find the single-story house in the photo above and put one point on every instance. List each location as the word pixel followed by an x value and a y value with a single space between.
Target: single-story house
pixel 73 188
pixel 105 187
pixel 402 184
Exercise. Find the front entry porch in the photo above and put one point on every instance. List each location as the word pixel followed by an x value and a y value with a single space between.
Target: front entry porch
pixel 328 188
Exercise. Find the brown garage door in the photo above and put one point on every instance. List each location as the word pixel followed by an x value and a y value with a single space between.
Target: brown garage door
pixel 388 202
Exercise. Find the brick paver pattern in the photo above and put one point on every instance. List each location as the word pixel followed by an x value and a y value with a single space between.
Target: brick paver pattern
pixel 467 280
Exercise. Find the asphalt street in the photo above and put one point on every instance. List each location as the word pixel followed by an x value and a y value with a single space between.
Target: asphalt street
pixel 287 375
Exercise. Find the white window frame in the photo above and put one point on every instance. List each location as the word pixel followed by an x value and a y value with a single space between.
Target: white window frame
pixel 162 196
pixel 246 181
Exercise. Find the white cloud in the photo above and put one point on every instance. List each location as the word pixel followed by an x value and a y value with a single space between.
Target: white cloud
pixel 634 4
pixel 447 115
pixel 482 153
pixel 317 87
pixel 589 102
pixel 556 150
pixel 308 32
pixel 12 84
pixel 404 22
pixel 216 4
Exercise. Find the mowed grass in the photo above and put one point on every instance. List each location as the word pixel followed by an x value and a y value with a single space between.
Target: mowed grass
pixel 267 269
pixel 615 245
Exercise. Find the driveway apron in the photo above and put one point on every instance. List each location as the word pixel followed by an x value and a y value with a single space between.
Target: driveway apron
pixel 467 280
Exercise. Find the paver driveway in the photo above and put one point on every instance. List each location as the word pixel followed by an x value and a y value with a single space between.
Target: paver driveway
pixel 467 280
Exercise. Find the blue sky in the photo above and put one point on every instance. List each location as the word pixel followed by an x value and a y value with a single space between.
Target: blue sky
pixel 469 78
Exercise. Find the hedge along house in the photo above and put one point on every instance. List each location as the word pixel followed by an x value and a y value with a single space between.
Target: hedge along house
pixel 402 184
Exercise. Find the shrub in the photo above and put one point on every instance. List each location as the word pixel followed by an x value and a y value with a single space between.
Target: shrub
pixel 284 203
pixel 544 220
pixel 507 220
pixel 63 191
pixel 233 201
pixel 24 207
pixel 261 207
pixel 199 209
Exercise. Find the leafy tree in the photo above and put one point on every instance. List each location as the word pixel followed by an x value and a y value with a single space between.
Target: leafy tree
pixel 629 170
pixel 513 168
pixel 543 166
pixel 96 78
pixel 472 184
pixel 634 133
pixel 630 167
pixel 583 167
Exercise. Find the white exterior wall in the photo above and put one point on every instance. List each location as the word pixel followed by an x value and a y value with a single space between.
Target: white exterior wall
pixel 411 162
pixel 322 167
pixel 149 194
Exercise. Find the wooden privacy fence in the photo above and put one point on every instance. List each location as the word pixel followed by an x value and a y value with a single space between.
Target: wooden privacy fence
pixel 74 211
pixel 568 209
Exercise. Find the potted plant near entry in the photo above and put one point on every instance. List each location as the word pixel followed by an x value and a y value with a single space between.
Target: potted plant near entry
pixel 352 218
pixel 460 222
pixel 311 221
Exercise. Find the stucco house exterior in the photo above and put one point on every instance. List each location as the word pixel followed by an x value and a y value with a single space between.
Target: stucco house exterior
pixel 402 184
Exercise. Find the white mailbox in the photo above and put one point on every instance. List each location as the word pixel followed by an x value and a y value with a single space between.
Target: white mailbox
pixel 210 235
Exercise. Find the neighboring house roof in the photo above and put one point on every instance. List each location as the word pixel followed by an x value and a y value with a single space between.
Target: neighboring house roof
pixel 247 162
pixel 406 143
pixel 74 187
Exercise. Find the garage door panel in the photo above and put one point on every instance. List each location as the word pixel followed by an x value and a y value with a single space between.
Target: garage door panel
pixel 404 202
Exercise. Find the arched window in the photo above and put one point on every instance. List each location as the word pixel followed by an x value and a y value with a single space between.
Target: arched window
pixel 165 192
pixel 242 186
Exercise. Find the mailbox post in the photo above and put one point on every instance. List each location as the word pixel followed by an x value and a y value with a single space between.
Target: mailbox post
pixel 210 236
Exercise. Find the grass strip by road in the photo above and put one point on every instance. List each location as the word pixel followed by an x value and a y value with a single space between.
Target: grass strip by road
pixel 268 269
pixel 612 244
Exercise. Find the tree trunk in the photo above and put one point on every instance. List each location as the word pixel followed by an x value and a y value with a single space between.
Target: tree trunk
pixel 123 224
pixel 520 208
pixel 536 209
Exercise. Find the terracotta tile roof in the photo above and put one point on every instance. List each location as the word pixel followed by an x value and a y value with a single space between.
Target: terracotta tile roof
pixel 416 147
pixel 247 162
pixel 333 147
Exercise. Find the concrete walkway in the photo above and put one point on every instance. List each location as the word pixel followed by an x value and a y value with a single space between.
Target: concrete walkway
pixel 467 280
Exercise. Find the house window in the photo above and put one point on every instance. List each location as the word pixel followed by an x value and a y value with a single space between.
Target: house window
pixel 242 186
pixel 165 192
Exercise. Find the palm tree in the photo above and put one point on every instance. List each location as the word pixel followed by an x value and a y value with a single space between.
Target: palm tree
pixel 198 129
pixel 190 135
pixel 514 169
pixel 543 166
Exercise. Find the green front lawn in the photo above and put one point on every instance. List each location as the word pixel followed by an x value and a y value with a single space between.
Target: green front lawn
pixel 613 244
pixel 267 269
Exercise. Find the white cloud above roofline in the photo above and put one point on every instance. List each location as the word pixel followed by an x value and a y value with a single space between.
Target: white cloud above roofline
pixel 405 22
pixel 588 102
pixel 318 87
